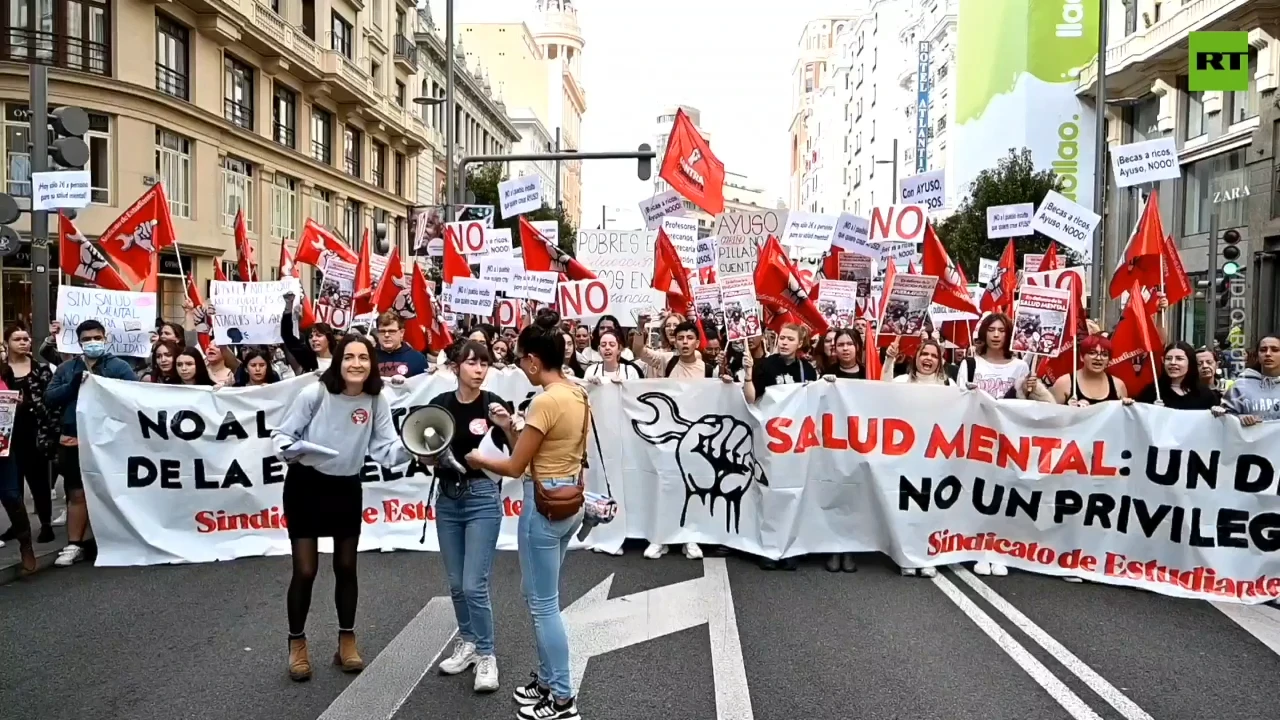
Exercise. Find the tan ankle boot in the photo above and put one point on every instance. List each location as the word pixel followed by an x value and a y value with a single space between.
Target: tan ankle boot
pixel 299 660
pixel 348 656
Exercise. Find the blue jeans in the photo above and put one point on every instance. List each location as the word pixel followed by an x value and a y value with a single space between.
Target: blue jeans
pixel 543 545
pixel 467 529
pixel 10 479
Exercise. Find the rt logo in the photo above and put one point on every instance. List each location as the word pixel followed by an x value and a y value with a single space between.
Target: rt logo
pixel 1219 61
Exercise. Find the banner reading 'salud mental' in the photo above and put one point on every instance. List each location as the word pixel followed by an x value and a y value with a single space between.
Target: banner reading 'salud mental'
pixel 1018 67
pixel 1172 501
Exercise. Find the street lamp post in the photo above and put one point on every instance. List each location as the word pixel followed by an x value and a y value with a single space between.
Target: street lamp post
pixel 448 109
pixel 894 163
pixel 1100 163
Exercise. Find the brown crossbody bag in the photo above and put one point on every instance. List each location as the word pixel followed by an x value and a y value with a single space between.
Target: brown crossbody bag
pixel 563 502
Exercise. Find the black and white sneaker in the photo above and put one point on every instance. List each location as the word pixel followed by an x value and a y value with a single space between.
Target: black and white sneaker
pixel 532 693
pixel 549 709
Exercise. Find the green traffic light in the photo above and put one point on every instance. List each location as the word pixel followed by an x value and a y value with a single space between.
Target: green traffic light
pixel 1229 269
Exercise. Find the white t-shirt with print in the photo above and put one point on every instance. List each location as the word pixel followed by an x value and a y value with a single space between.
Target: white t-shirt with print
pixel 997 380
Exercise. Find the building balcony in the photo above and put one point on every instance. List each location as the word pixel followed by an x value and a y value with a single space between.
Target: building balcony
pixel 1127 61
pixel 283 46
pixel 406 54
pixel 349 84
pixel 61 51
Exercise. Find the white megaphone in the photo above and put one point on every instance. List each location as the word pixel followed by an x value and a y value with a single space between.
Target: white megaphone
pixel 427 432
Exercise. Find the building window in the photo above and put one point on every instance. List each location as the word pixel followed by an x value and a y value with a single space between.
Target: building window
pixel 378 161
pixel 322 207
pixel 400 95
pixel 352 144
pixel 1146 120
pixel 173 165
pixel 351 213
pixel 237 89
pixel 340 37
pixel 284 115
pixel 1215 184
pixel 172 57
pixel 1130 16
pixel 237 191
pixel 71 34
pixel 375 72
pixel 321 135
pixel 1244 103
pixel 284 207
pixel 399 177
pixel 1197 120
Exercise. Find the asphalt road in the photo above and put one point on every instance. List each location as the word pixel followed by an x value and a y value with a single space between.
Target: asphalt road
pixel 204 641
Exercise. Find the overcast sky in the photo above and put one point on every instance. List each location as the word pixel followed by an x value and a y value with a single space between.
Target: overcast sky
pixel 732 63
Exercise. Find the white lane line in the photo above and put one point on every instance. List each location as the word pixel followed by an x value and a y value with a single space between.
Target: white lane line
pixel 1069 701
pixel 387 682
pixel 1116 699
pixel 1260 621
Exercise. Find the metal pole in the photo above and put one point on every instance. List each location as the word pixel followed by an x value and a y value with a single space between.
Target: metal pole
pixel 545 157
pixel 449 110
pixel 604 218
pixel 1100 165
pixel 896 200
pixel 39 218
pixel 1211 292
pixel 557 169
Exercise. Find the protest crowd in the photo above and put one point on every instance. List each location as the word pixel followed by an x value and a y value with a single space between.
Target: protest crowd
pixel 1010 339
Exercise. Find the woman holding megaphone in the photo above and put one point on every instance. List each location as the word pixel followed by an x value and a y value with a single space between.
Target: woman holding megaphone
pixel 469 514
pixel 552 446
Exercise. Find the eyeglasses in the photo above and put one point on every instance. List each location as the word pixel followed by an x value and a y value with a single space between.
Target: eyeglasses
pixel 1098 354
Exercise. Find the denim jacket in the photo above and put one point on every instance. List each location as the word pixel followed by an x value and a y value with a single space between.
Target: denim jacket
pixel 64 389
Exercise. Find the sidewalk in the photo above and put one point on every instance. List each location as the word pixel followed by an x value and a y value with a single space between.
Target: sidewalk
pixel 10 559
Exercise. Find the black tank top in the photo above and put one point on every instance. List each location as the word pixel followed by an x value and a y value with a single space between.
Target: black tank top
pixel 1086 400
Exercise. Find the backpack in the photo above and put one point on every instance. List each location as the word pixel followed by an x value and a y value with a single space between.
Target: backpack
pixel 562 503
pixel 709 370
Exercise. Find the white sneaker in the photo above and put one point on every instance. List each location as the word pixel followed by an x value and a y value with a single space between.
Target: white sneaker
pixel 692 551
pixel 1 543
pixel 1073 579
pixel 69 555
pixel 655 551
pixel 999 570
pixel 486 674
pixel 982 568
pixel 928 572
pixel 908 572
pixel 463 657
pixel 61 520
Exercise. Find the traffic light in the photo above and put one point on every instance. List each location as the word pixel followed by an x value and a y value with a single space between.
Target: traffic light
pixel 10 242
pixel 380 243
pixel 68 150
pixel 644 166
pixel 1230 267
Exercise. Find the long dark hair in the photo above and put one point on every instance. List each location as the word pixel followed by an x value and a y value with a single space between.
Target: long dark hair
pixel 595 334
pixel 242 373
pixel 1191 383
pixel 856 337
pixel 937 346
pixel 202 370
pixel 980 342
pixel 327 331
pixel 544 340
pixel 153 369
pixel 332 376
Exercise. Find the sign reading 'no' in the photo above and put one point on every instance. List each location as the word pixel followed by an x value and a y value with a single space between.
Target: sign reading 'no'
pixel 467 236
pixel 583 298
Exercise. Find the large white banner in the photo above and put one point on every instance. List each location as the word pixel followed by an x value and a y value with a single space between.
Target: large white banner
pixel 1172 501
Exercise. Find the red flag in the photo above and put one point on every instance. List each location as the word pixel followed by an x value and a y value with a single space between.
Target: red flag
pixel 953 287
pixel 778 285
pixel 218 273
pixel 200 317
pixel 1003 283
pixel 139 234
pixel 669 275
pixel 288 268
pixel 871 351
pixel 455 264
pixel 1050 260
pixel 435 334
pixel 1142 255
pixel 79 258
pixel 395 293
pixel 152 282
pixel 246 268
pixel 542 255
pixel 316 244
pixel 1177 286
pixel 1133 344
pixel 690 167
pixel 362 292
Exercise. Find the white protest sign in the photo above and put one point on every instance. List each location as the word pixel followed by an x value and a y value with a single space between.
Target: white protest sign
pixel 928 189
pixel 583 298
pixel 1145 162
pixel 497 243
pixel 809 230
pixel 247 313
pixel 1068 222
pixel 898 223
pixel 740 235
pixel 520 195
pixel 683 234
pixel 506 313
pixel 468 296
pixel 535 285
pixel 1060 279
pixel 468 236
pixel 986 269
pixel 623 259
pixel 660 206
pixel 335 301
pixel 129 318
pixel 707 252
pixel 1006 221
pixel 60 189
pixel 852 235
pixel 501 271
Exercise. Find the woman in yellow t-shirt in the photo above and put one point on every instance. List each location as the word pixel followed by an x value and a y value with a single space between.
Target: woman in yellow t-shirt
pixel 551 447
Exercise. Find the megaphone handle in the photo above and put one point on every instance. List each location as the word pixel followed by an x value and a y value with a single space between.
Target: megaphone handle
pixel 430 496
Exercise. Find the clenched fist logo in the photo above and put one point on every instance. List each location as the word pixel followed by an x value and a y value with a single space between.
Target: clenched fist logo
pixel 715 454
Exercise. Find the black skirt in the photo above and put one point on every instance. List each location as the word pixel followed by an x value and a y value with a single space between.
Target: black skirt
pixel 318 505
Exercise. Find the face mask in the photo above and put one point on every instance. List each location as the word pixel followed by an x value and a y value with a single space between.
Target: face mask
pixel 94 349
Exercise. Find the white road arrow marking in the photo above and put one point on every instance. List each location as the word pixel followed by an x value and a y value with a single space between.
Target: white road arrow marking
pixel 598 624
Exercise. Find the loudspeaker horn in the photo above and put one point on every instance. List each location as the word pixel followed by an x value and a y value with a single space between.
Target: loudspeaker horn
pixel 427 431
